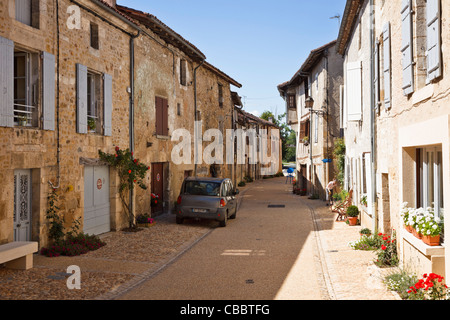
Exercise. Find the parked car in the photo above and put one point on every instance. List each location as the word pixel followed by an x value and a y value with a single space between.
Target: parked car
pixel 207 198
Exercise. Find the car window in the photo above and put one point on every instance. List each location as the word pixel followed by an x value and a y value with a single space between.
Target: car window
pixel 202 188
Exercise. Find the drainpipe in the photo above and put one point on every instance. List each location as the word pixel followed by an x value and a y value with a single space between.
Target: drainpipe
pixel 58 150
pixel 195 115
pixel 372 122
pixel 131 116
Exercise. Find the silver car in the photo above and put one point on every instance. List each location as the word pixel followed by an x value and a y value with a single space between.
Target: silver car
pixel 207 198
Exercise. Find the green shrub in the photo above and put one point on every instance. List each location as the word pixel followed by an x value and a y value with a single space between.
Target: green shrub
pixel 73 246
pixel 353 211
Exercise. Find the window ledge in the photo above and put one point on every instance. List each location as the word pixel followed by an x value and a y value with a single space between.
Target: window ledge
pixel 421 246
pixel 162 137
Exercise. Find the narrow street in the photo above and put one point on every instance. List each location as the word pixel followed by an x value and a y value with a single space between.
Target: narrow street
pixel 267 253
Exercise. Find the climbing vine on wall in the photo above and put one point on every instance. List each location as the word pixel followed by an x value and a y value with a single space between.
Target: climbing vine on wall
pixel 131 174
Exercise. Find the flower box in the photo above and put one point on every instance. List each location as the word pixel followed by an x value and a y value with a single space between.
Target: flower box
pixel 409 228
pixel 146 225
pixel 432 241
pixel 416 234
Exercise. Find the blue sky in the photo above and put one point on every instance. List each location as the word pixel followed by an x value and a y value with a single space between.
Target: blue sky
pixel 259 43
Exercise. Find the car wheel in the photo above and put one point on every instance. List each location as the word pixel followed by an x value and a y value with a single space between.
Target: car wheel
pixel 223 223
pixel 234 214
pixel 179 220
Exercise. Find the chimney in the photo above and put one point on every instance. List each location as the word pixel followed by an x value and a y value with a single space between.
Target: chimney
pixel 112 3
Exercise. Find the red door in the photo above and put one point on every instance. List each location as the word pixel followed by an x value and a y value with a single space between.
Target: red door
pixel 158 187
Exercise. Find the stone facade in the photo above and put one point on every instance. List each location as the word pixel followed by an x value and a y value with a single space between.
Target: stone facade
pixel 30 147
pixel 98 61
pixel 409 96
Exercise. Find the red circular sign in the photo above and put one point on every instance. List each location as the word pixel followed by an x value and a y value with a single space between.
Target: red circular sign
pixel 99 184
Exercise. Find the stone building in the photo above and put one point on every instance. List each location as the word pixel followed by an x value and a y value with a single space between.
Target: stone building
pixel 79 77
pixel 320 79
pixel 408 102
pixel 174 88
pixel 65 81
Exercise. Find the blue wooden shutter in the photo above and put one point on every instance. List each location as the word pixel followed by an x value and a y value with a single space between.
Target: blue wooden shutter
pixel 434 59
pixel 387 64
pixel 107 104
pixel 6 82
pixel 48 99
pixel 407 53
pixel 81 99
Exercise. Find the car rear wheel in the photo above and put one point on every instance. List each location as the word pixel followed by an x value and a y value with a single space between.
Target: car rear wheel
pixel 179 220
pixel 234 214
pixel 223 223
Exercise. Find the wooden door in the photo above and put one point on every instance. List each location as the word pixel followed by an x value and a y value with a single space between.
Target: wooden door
pixel 158 187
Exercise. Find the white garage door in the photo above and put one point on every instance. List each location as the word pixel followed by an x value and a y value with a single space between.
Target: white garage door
pixel 96 200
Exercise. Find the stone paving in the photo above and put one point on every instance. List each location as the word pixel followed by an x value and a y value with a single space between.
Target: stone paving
pixel 129 259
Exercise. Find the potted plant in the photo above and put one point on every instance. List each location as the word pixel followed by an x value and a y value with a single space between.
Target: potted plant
pixel 145 221
pixel 23 121
pixel 364 201
pixel 352 214
pixel 154 200
pixel 430 228
pixel 305 141
pixel 91 124
pixel 365 232
pixel 407 215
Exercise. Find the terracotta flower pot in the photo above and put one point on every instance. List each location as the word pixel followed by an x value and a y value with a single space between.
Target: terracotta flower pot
pixel 432 241
pixel 409 228
pixel 352 221
pixel 416 234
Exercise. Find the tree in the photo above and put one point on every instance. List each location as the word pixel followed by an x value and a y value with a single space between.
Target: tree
pixel 287 135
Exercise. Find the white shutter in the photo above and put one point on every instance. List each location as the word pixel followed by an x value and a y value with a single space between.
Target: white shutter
pixel 48 97
pixel 368 166
pixel 434 62
pixel 6 82
pixel 107 104
pixel 354 91
pixel 342 120
pixel 387 64
pixel 81 99
pixel 407 53
pixel 376 79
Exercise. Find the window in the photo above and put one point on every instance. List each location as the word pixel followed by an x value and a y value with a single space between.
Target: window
pixel 316 128
pixel 162 116
pixel 291 101
pixel 26 89
pixel 94 36
pixel 27 12
pixel 430 179
pixel 220 96
pixel 94 99
pixel 183 72
pixel 94 102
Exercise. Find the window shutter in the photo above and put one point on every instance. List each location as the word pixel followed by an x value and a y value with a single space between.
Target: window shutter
pixel 303 130
pixel 158 116
pixel 387 65
pixel 81 99
pixel 407 54
pixel 107 104
pixel 165 117
pixel 354 88
pixel 48 97
pixel 434 62
pixel 342 120
pixel 377 75
pixel 6 82
pixel 23 11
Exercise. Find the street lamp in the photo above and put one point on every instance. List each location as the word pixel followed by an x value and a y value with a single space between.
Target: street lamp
pixel 309 103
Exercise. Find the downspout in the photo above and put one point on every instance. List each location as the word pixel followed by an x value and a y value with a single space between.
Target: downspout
pixel 195 115
pixel 131 116
pixel 58 150
pixel 372 122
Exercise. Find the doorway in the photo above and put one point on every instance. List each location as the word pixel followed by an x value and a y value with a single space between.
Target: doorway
pixel 158 187
pixel 22 205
